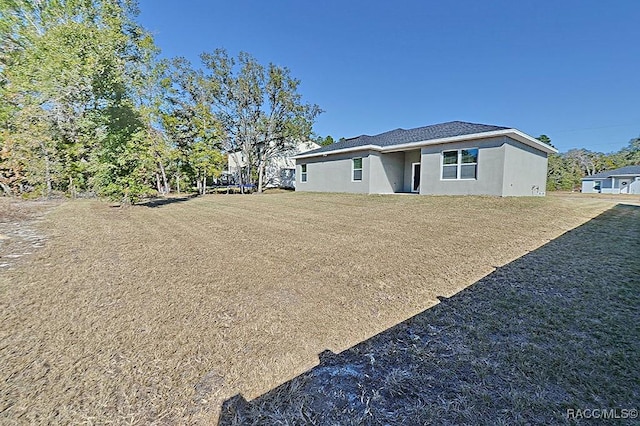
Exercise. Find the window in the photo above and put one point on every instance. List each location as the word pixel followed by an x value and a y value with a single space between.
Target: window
pixel 303 174
pixel 357 169
pixel 460 164
pixel 597 185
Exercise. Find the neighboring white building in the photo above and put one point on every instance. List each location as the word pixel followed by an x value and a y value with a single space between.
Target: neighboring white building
pixel 280 171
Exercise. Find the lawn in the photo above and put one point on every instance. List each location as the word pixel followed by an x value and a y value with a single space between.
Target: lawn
pixel 160 313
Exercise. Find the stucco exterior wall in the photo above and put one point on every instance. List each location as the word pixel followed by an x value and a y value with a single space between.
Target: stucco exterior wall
pixel 606 186
pixel 587 187
pixel 410 157
pixel 505 167
pixel 525 170
pixel 386 172
pixel 489 175
pixel 333 173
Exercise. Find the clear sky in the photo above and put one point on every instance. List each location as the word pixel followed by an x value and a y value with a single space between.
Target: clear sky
pixel 566 68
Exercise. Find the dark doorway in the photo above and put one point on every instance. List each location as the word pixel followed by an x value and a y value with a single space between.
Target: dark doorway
pixel 415 177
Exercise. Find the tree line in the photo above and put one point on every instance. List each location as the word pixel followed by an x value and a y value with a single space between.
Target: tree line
pixel 87 106
pixel 565 170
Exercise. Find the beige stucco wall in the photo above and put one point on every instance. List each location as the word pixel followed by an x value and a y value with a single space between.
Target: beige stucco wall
pixel 489 175
pixel 381 173
pixel 587 187
pixel 525 170
pixel 386 172
pixel 505 168
pixel 333 173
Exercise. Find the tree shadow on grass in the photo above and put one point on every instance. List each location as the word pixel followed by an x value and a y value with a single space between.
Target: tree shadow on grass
pixel 553 331
pixel 160 202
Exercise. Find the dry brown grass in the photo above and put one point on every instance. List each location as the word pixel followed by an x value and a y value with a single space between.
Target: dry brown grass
pixel 159 314
pixel 555 330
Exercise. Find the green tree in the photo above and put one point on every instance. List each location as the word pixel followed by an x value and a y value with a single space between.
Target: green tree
pixel 631 153
pixel 67 74
pixel 123 163
pixel 192 126
pixel 545 139
pixel 151 84
pixel 86 105
pixel 260 110
pixel 560 176
pixel 328 140
pixel 207 162
pixel 565 170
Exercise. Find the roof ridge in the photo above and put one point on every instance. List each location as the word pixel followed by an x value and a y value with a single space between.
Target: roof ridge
pixel 631 169
pixel 401 136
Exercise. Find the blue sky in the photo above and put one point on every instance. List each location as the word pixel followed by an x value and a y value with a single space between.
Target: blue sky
pixel 566 68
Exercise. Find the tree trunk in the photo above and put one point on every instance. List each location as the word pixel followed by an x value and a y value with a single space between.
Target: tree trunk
pixel 165 182
pixel 240 180
pixel 72 188
pixel 48 177
pixel 178 182
pixel 158 186
pixel 47 171
pixel 260 175
pixel 204 182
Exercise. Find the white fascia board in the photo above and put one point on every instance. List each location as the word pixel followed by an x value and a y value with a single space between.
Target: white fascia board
pixel 512 133
pixel 532 142
pixel 611 176
pixel 338 151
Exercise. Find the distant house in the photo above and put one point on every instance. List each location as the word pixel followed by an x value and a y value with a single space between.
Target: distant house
pixel 280 170
pixel 454 158
pixel 625 180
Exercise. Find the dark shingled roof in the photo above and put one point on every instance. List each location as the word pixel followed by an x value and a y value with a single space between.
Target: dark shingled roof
pixel 402 136
pixel 623 171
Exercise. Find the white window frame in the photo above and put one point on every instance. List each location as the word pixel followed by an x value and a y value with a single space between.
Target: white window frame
pixel 459 164
pixel 353 169
pixel 304 175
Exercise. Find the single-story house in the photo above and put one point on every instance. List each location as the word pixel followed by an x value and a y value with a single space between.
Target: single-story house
pixel 454 158
pixel 625 180
pixel 280 169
